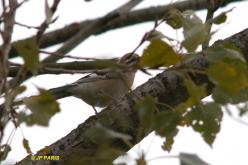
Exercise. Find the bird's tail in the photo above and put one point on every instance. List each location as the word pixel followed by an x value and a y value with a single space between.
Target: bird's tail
pixel 60 92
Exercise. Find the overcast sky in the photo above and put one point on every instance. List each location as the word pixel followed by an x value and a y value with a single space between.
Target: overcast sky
pixel 230 146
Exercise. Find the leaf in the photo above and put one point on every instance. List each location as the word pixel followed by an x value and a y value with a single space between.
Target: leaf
pixel 42 106
pixel 221 18
pixel 229 74
pixel 174 18
pixel 22 117
pixel 220 51
pixel 29 51
pixel 25 144
pixel 195 37
pixel 145 109
pixel 205 119
pixel 196 92
pixel 10 96
pixel 159 53
pixel 4 151
pixel 190 159
pixel 165 125
pixel 221 96
pixel 228 68
pixel 100 134
pixel 154 34
pixel 167 145
pixel 190 19
pixel 194 30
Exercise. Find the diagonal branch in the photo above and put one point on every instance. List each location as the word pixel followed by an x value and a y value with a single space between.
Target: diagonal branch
pixel 90 29
pixel 126 19
pixel 167 87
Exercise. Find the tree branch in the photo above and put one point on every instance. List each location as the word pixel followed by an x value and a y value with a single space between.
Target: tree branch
pixel 68 67
pixel 90 29
pixel 167 87
pixel 126 19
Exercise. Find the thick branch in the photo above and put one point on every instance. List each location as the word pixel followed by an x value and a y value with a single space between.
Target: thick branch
pixel 126 19
pixel 167 87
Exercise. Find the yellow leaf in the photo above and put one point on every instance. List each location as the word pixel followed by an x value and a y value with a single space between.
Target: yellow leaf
pixel 159 53
pixel 25 144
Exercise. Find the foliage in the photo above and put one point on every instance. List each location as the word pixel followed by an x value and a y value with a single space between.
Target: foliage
pixel 227 70
pixel 29 51
pixel 42 106
pixel 157 54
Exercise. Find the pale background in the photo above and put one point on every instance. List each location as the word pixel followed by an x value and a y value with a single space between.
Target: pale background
pixel 230 146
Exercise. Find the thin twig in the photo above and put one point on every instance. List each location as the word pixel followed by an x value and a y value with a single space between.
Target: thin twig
pixel 68 56
pixel 8 19
pixel 27 26
pixel 126 19
pixel 45 24
pixel 213 5
pixel 92 28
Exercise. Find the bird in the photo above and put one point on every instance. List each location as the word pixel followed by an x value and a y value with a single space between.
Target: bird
pixel 99 89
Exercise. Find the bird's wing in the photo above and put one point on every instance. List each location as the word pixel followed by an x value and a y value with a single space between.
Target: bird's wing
pixel 90 78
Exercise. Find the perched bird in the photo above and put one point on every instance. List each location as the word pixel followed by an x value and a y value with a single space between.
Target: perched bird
pixel 99 89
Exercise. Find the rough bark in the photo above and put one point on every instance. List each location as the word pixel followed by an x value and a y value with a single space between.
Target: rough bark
pixel 167 87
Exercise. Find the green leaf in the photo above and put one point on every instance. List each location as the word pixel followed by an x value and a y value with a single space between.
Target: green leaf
pixel 190 159
pixel 220 51
pixel 228 68
pixel 25 144
pixel 190 19
pixel 154 34
pixel 4 151
pixel 195 37
pixel 10 97
pixel 29 51
pixel 145 109
pixel 205 119
pixel 196 92
pixel 221 18
pixel 194 30
pixel 165 125
pixel 100 134
pixel 229 74
pixel 221 96
pixel 174 18
pixel 42 106
pixel 159 53
pixel 167 145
